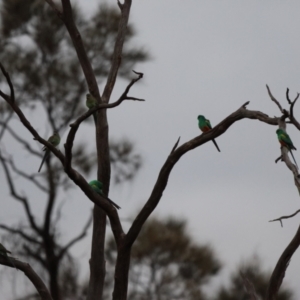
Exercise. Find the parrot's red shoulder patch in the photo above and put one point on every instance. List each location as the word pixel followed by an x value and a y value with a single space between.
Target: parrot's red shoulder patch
pixel 205 129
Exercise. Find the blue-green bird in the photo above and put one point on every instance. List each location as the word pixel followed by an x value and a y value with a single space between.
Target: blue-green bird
pixel 54 140
pixel 91 102
pixel 205 126
pixel 285 141
pixel 3 252
pixel 97 186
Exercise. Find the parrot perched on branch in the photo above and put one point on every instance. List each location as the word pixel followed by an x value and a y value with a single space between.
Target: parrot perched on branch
pixel 91 102
pixel 97 186
pixel 3 252
pixel 205 126
pixel 285 141
pixel 54 140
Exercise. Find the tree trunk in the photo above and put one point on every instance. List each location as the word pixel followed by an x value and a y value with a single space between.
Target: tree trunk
pixel 121 274
pixel 97 261
pixel 54 286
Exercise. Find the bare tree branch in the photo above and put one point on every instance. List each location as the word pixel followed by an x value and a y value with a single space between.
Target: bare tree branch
pixel 133 81
pixel 117 54
pixel 67 18
pixel 285 217
pixel 31 275
pixel 12 92
pixel 278 159
pixel 287 96
pixel 285 113
pixel 175 146
pixel 274 99
pixel 292 118
pixel 281 266
pixel 21 233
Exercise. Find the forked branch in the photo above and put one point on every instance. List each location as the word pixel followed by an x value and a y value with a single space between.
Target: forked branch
pixel 285 217
pixel 274 99
pixel 74 126
pixel 249 287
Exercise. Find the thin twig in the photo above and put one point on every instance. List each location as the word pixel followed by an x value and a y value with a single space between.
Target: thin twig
pixel 292 118
pixel 278 159
pixel 12 92
pixel 133 81
pixel 175 146
pixel 288 97
pixel 274 99
pixel 285 217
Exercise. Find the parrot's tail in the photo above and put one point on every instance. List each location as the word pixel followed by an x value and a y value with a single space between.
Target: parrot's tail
pixel 294 159
pixel 216 145
pixel 112 202
pixel 44 158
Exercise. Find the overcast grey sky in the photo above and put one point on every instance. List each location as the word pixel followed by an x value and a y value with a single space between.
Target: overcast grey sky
pixel 209 57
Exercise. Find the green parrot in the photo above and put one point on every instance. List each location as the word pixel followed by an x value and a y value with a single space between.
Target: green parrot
pixel 285 141
pixel 205 126
pixel 54 140
pixel 97 185
pixel 91 102
pixel 3 252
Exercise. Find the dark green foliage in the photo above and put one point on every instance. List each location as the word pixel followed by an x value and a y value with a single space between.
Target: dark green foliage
pixel 39 54
pixel 260 279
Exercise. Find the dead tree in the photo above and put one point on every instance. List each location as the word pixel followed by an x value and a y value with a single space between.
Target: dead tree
pixel 102 208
